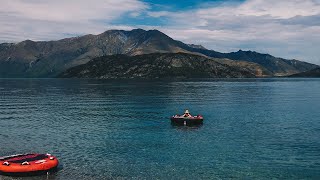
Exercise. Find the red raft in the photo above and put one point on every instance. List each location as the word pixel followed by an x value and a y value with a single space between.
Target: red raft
pixel 25 164
pixel 186 119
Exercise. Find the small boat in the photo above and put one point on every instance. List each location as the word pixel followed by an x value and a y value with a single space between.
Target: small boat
pixel 187 119
pixel 27 164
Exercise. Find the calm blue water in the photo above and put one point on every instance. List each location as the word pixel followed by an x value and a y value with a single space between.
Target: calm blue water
pixel 253 128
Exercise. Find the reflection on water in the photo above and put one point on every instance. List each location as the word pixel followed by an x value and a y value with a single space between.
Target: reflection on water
pixel 253 128
pixel 186 126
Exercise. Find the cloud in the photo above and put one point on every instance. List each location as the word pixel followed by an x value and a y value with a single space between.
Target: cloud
pixel 278 9
pixel 71 10
pixel 158 14
pixel 288 28
pixel 43 20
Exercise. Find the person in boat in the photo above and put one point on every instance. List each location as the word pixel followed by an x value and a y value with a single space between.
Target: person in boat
pixel 187 113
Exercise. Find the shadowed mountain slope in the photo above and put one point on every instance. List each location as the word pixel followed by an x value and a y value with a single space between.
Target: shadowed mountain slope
pixel 155 66
pixel 314 73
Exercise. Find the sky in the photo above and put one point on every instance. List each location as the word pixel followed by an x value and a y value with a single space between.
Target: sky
pixel 283 28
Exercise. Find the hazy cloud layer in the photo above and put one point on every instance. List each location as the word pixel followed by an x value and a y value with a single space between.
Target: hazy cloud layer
pixel 283 28
pixel 286 28
pixel 44 19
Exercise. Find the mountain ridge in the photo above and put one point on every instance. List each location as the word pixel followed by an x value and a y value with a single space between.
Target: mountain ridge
pixel 314 73
pixel 49 58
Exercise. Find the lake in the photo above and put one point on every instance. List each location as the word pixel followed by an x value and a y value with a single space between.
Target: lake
pixel 253 128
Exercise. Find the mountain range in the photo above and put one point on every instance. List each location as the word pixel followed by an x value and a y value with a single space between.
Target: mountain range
pixel 156 66
pixel 314 73
pixel 51 58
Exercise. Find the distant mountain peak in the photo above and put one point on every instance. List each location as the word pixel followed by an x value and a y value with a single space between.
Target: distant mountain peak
pixel 138 30
pixel 250 52
pixel 197 46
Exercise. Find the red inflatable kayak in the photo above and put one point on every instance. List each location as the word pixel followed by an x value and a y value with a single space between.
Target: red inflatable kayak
pixel 27 163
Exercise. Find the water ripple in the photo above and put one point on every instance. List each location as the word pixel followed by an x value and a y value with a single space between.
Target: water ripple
pixel 253 129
